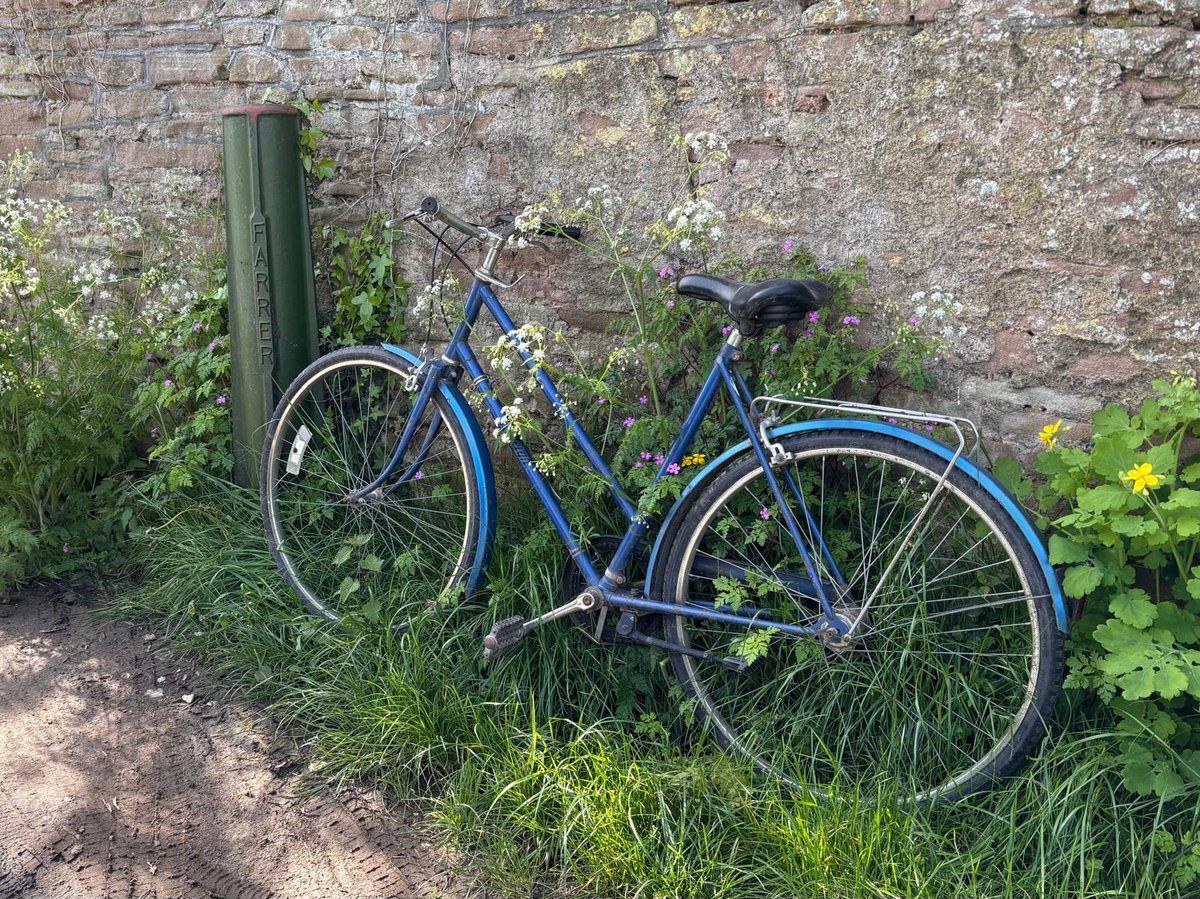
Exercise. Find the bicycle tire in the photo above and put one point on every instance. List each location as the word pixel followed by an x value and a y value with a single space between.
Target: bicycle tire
pixel 1011 748
pixel 273 470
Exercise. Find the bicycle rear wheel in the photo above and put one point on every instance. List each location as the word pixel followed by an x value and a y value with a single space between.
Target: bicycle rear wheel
pixel 959 661
pixel 409 542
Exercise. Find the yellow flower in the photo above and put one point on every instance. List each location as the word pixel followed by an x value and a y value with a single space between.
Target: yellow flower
pixel 1141 477
pixel 1049 435
pixel 693 459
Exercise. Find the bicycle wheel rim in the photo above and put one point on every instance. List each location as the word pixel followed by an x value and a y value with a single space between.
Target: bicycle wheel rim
pixel 423 552
pixel 738 728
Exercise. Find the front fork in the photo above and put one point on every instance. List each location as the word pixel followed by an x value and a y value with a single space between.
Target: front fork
pixel 425 380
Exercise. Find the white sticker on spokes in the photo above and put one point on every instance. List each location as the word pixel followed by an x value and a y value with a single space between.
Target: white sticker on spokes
pixel 299 445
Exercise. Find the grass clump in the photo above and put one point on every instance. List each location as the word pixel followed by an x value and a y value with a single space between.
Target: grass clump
pixel 563 770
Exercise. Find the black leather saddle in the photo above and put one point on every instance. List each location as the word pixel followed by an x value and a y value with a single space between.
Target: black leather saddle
pixel 759 306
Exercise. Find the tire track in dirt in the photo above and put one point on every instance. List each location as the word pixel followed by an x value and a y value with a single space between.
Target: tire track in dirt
pixel 113 786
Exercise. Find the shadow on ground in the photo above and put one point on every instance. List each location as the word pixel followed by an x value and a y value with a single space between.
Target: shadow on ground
pixel 114 784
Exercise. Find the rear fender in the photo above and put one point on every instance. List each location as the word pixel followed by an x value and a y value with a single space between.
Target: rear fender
pixel 674 518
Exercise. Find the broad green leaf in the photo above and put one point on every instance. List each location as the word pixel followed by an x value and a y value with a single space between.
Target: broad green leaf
pixel 1122 640
pixel 1132 525
pixel 1007 471
pixel 1109 419
pixel 343 553
pixel 347 588
pixel 1138 777
pixel 1170 681
pixel 1064 551
pixel 1105 498
pixel 1183 498
pixel 1137 684
pixel 1193 584
pixel 1190 473
pixel 1134 607
pixel 371 563
pixel 1187 526
pixel 371 610
pixel 1080 580
pixel 1163 460
pixel 1113 456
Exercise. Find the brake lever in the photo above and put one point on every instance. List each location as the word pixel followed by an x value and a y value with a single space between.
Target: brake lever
pixel 392 223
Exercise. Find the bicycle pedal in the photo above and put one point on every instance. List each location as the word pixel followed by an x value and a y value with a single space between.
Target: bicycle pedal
pixel 736 663
pixel 504 636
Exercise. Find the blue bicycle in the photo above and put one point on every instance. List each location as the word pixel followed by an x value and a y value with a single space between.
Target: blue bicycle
pixel 844 600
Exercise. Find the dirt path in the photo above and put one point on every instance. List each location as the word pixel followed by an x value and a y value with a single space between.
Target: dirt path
pixel 112 784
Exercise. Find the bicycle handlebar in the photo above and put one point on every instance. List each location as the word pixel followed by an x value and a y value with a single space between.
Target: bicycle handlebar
pixel 431 206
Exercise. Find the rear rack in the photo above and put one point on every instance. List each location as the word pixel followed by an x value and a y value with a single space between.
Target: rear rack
pixel 957 424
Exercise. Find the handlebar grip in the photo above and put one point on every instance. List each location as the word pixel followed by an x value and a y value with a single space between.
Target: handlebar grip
pixel 550 229
pixel 432 207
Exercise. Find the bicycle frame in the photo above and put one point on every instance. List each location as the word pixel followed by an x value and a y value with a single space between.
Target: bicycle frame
pixel 610 581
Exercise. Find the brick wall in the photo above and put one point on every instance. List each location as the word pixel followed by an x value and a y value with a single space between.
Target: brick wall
pixel 1038 158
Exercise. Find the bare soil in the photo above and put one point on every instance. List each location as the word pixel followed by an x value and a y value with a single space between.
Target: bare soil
pixel 127 772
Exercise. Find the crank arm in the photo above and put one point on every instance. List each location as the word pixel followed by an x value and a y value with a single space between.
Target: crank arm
pixel 508 633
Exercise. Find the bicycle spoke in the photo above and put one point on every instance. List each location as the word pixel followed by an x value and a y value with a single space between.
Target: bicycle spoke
pixel 931 686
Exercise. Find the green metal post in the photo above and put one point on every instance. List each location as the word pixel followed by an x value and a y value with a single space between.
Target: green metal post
pixel 272 305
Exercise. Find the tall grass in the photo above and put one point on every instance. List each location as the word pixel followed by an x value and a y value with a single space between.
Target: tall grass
pixel 562 768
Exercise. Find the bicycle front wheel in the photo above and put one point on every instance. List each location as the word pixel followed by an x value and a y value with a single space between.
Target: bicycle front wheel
pixel 957 660
pixel 407 542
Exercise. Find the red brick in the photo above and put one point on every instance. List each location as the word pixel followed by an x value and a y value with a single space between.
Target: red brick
pixel 291 37
pixel 17 117
pixel 254 67
pixel 177 11
pixel 351 37
pixel 749 60
pixel 183 67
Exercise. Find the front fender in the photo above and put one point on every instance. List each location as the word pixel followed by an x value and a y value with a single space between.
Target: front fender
pixel 481 459
pixel 666 533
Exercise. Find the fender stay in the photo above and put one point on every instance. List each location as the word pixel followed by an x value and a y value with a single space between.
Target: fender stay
pixel 981 476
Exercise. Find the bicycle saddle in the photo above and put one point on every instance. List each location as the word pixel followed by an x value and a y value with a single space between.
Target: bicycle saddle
pixel 759 306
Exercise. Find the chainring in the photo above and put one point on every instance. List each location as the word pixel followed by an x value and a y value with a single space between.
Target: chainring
pixel 605 547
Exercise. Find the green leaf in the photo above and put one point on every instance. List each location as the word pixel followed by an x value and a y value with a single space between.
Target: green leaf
pixel 1113 455
pixel 1138 684
pixel 1193 584
pixel 1132 525
pixel 1163 460
pixel 1109 419
pixel 1183 498
pixel 347 588
pixel 1187 526
pixel 371 563
pixel 1105 498
pixel 1007 471
pixel 1080 580
pixel 1134 607
pixel 343 553
pixel 1191 473
pixel 1064 551
pixel 1170 681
